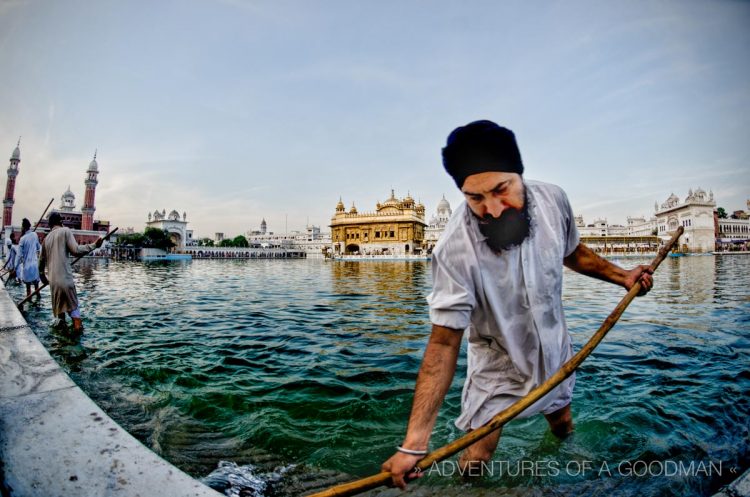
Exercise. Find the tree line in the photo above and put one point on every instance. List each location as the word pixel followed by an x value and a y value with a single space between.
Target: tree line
pixel 150 238
pixel 156 238
pixel 237 241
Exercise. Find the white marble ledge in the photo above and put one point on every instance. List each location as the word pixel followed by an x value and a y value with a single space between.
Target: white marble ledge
pixel 26 367
pixel 62 443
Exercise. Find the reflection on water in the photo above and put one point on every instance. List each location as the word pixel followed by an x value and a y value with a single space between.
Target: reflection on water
pixel 294 372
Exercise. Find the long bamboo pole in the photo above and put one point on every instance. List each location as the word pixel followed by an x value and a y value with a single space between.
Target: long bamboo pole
pixel 28 297
pixel 43 213
pixel 358 486
pixel 37 224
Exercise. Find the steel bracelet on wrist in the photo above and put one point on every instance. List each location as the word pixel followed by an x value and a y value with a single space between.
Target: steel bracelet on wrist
pixel 411 452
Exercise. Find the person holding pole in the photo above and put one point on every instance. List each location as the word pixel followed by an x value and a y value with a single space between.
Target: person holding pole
pixel 28 249
pixel 58 243
pixel 497 275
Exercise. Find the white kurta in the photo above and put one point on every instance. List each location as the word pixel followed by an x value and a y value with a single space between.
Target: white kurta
pixel 57 245
pixel 29 248
pixel 13 261
pixel 511 305
pixel 18 261
pixel 10 257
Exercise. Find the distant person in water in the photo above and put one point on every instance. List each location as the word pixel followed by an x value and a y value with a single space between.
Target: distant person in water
pixel 58 244
pixel 28 251
pixel 12 259
pixel 497 275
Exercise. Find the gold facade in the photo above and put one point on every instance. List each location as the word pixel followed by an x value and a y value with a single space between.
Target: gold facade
pixel 396 227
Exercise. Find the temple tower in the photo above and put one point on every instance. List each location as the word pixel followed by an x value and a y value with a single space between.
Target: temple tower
pixel 87 220
pixel 10 186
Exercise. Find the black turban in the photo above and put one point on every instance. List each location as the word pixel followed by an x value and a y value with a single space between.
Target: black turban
pixel 55 219
pixel 480 147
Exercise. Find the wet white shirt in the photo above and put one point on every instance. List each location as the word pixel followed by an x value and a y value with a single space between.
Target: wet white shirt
pixel 511 305
pixel 28 249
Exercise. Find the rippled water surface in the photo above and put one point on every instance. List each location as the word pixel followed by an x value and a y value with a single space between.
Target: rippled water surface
pixel 304 370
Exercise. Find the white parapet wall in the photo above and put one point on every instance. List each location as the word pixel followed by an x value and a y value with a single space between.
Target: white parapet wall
pixel 55 441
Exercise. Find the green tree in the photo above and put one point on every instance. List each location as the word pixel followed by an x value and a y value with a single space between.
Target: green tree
pixel 151 238
pixel 722 213
pixel 206 242
pixel 156 238
pixel 240 241
pixel 134 239
pixel 226 243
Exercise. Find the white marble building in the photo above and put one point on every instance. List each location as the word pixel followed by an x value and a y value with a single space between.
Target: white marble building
pixel 312 241
pixel 704 232
pixel 640 226
pixel 695 214
pixel 437 224
pixel 597 228
pixel 734 229
pixel 614 239
pixel 600 227
pixel 176 227
pixel 734 232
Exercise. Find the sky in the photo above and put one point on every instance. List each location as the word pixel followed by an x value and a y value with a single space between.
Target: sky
pixel 236 111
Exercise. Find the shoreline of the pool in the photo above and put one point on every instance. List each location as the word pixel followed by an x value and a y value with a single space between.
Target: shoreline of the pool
pixel 55 441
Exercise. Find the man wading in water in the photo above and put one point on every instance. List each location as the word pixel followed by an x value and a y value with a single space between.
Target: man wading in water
pixel 497 272
pixel 55 249
pixel 28 248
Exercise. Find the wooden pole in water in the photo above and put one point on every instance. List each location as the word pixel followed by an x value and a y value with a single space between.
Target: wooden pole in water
pixel 74 261
pixel 358 486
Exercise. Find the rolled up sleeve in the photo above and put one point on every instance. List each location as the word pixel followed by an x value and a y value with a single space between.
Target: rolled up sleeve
pixel 452 299
pixel 572 238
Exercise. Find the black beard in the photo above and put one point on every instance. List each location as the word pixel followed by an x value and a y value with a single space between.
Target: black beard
pixel 508 230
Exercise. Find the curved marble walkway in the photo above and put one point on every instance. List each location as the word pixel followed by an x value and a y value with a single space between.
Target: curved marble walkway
pixel 55 441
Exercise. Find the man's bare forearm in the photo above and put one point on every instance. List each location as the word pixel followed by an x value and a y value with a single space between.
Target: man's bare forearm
pixel 434 379
pixel 583 260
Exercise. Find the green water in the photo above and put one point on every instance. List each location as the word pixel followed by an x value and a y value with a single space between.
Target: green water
pixel 312 363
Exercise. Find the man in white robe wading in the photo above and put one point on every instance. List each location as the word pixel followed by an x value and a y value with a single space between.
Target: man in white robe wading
pixel 12 260
pixel 58 243
pixel 497 275
pixel 28 248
